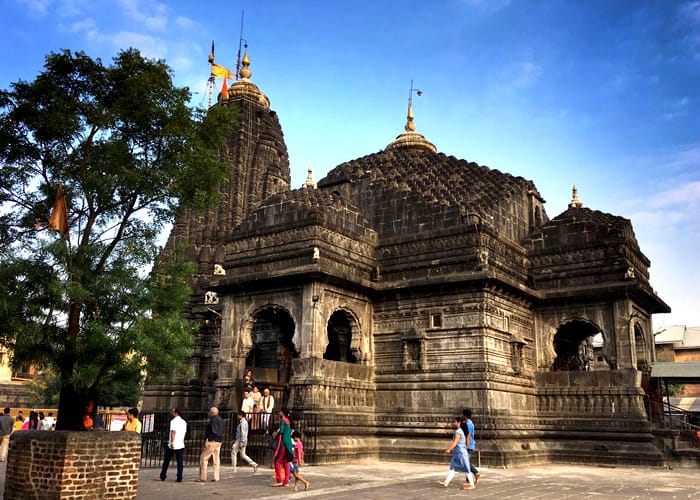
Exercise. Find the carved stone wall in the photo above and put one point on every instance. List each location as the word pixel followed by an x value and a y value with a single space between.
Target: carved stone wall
pixel 446 284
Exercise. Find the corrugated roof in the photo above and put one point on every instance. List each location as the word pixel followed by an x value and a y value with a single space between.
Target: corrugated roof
pixel 692 337
pixel 681 335
pixel 670 334
pixel 681 373
pixel 687 404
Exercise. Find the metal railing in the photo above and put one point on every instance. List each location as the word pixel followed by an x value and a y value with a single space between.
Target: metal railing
pixel 674 418
pixel 156 425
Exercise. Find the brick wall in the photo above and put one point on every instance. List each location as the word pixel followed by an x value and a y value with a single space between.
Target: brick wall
pixel 73 465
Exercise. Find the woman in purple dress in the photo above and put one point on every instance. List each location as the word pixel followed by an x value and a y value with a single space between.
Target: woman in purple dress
pixel 460 456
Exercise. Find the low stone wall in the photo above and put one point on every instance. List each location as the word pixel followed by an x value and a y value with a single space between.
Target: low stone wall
pixel 73 465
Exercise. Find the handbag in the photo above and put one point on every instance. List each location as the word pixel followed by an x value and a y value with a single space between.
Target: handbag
pixel 272 443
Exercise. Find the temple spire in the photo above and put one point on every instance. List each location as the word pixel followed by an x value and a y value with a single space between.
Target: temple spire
pixel 309 183
pixel 410 138
pixel 575 202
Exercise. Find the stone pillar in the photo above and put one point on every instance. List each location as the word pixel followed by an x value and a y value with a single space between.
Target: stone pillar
pixel 624 340
pixel 69 464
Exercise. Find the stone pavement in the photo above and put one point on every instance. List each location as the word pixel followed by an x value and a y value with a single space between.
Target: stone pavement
pixel 392 480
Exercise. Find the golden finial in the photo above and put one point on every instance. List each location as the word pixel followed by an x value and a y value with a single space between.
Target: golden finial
pixel 310 178
pixel 244 87
pixel 410 138
pixel 245 71
pixel 575 202
pixel 410 126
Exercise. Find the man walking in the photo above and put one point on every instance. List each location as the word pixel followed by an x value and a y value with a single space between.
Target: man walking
pixel 212 445
pixel 176 444
pixel 241 442
pixel 6 423
pixel 467 415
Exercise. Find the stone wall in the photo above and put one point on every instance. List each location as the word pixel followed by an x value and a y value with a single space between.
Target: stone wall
pixel 73 465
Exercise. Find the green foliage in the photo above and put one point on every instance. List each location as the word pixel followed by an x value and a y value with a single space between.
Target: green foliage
pixel 44 389
pixel 129 152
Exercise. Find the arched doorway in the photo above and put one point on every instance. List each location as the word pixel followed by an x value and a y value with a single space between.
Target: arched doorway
pixel 641 351
pixel 340 338
pixel 273 349
pixel 578 345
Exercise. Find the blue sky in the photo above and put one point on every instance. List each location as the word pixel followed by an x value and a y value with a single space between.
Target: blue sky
pixel 604 94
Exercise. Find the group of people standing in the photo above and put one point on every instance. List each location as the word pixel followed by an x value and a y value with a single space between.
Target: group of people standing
pixel 461 447
pixel 255 413
pixel 35 422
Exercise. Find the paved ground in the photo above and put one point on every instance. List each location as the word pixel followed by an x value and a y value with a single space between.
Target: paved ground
pixel 390 480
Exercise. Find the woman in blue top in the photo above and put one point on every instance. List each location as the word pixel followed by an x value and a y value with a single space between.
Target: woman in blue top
pixel 460 456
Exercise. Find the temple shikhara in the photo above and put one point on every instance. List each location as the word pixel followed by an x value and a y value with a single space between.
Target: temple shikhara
pixel 407 285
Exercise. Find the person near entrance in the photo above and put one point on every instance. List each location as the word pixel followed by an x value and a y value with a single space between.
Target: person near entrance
pixel 267 404
pixel 240 443
pixel 176 445
pixel 212 445
pixel 6 424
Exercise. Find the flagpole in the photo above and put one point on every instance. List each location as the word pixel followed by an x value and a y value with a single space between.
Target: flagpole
pixel 240 41
pixel 211 74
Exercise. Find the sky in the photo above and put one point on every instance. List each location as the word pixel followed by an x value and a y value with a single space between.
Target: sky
pixel 603 94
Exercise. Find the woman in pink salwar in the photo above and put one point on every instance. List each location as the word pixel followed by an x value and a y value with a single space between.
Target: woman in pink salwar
pixel 284 452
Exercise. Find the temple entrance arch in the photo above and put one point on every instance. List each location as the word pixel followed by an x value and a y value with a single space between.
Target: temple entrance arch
pixel 272 348
pixel 578 345
pixel 343 337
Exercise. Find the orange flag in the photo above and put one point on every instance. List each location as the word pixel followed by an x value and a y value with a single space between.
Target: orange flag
pixel 59 214
pixel 221 72
pixel 224 90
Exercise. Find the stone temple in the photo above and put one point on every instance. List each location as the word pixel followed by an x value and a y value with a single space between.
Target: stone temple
pixel 407 285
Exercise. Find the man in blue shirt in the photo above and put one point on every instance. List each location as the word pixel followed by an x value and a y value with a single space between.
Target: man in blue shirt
pixel 467 417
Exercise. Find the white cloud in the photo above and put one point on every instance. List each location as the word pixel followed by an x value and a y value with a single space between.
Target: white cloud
pixel 685 195
pixel 657 219
pixel 677 109
pixel 689 16
pixel 690 12
pixel 517 76
pixel 86 25
pixel 152 16
pixel 68 8
pixel 37 6
pixel 149 46
pixel 185 22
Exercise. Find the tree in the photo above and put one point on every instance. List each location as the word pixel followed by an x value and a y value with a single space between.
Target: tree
pixel 125 152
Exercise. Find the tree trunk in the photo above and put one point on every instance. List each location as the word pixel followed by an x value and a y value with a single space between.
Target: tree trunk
pixel 73 404
pixel 72 407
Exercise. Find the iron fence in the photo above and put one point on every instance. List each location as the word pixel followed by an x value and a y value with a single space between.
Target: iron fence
pixel 156 426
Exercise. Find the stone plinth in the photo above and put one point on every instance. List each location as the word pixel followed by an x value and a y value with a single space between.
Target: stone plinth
pixel 73 465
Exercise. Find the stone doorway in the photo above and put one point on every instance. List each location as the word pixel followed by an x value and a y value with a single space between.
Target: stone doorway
pixel 578 345
pixel 340 338
pixel 271 356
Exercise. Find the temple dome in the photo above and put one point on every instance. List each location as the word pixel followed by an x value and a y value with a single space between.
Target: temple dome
pixel 245 88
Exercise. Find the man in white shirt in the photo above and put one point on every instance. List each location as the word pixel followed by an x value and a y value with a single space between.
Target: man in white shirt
pixel 49 422
pixel 176 444
pixel 267 405
pixel 248 402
